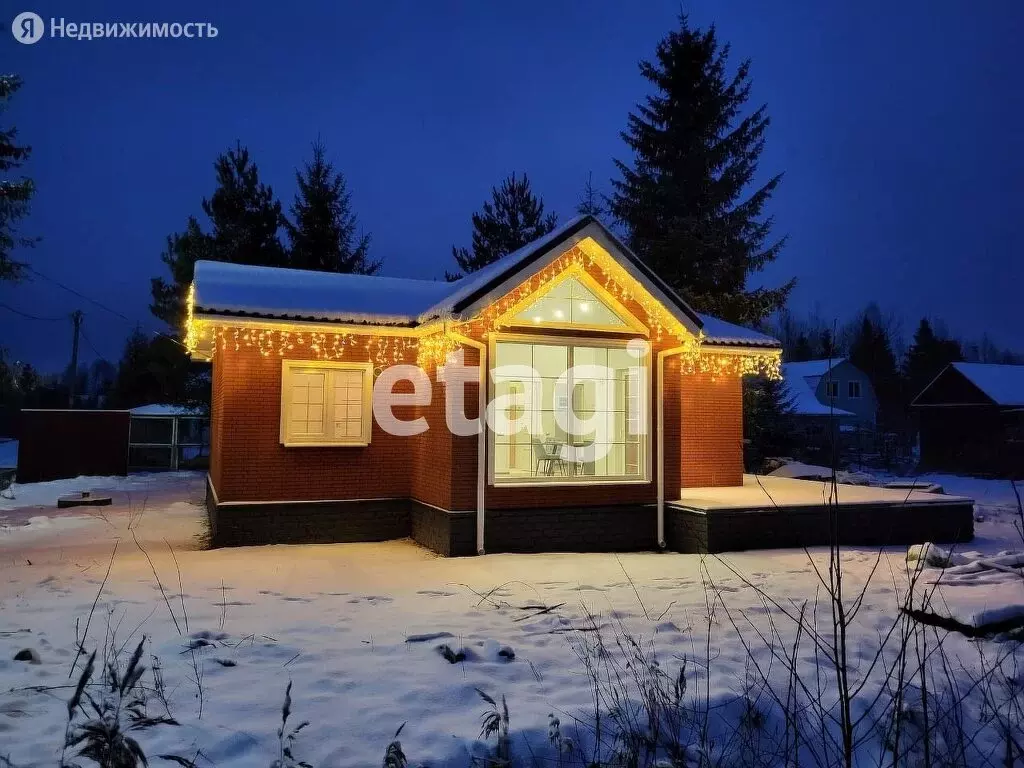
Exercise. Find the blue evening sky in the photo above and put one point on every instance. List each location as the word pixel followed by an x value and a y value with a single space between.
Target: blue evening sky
pixel 898 126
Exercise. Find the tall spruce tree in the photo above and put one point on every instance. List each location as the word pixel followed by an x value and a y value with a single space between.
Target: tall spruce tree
pixel 154 370
pixel 827 344
pixel 871 351
pixel 323 236
pixel 15 192
pixel 513 217
pixel 802 349
pixel 244 218
pixel 686 201
pixel 767 430
pixel 184 249
pixel 928 355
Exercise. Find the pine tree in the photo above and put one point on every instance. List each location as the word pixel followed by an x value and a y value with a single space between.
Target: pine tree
pixel 766 429
pixel 871 352
pixel 927 356
pixel 245 219
pixel 513 217
pixel 683 201
pixel 183 251
pixel 802 349
pixel 8 379
pixel 827 345
pixel 323 235
pixel 151 371
pixel 28 379
pixel 15 192
pixel 590 202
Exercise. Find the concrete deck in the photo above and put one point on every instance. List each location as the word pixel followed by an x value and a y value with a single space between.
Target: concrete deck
pixel 779 512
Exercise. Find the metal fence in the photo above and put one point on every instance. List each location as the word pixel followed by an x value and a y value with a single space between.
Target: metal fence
pixel 169 442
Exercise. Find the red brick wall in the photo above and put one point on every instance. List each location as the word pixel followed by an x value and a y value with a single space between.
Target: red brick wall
pixel 443 464
pixel 248 462
pixel 703 444
pixel 431 453
pixel 217 394
pixel 464 449
pixel 712 431
pixel 672 403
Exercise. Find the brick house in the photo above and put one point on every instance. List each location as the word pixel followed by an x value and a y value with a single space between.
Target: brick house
pixel 572 325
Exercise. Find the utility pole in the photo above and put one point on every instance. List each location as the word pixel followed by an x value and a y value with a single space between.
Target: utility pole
pixel 76 318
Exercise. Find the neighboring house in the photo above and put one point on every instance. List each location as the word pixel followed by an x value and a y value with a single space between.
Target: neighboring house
pixel 300 360
pixel 833 410
pixel 972 419
pixel 831 388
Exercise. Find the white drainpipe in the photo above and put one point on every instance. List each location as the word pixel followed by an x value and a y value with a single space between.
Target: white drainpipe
pixel 660 403
pixel 481 447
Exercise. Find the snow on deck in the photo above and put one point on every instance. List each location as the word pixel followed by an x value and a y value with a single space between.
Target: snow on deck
pixel 761 491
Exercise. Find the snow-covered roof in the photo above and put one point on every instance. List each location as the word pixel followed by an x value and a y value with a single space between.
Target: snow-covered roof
pixel 720 332
pixel 812 367
pixel 1003 383
pixel 487 285
pixel 463 288
pixel 163 409
pixel 798 387
pixel 291 294
pixel 298 294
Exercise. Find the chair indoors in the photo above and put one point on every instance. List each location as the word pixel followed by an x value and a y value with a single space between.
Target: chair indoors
pixel 547 457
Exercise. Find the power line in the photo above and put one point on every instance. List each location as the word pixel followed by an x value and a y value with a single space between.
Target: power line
pixel 31 317
pixel 79 295
pixel 101 305
pixel 93 347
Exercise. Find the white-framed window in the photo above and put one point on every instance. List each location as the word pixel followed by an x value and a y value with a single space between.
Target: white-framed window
pixel 832 389
pixel 853 390
pixel 326 403
pixel 601 383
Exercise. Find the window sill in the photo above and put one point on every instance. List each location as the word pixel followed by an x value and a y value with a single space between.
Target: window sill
pixel 325 445
pixel 565 483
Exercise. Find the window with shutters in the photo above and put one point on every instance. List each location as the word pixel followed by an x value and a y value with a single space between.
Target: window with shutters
pixel 325 404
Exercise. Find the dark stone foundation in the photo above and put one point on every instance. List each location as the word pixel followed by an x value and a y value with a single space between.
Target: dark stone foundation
pixel 619 528
pixel 870 525
pixel 626 528
pixel 452 534
pixel 321 522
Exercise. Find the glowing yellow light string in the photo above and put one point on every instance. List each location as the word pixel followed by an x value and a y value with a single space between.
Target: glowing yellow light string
pixel 435 342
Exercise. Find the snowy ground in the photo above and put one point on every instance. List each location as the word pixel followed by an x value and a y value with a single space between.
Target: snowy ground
pixel 346 624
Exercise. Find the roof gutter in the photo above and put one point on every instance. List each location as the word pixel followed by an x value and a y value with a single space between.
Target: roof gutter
pixel 481 445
